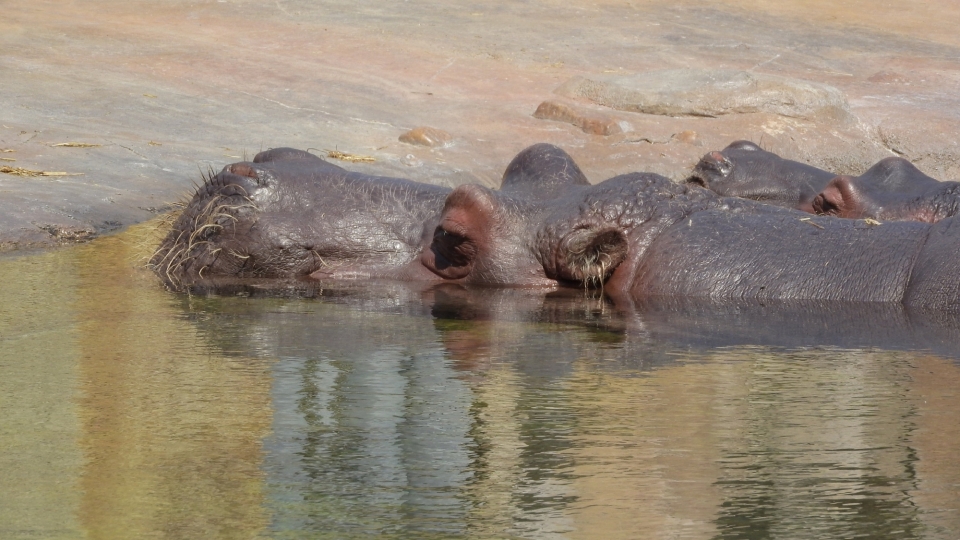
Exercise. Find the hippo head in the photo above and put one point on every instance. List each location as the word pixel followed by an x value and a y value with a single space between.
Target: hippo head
pixel 217 231
pixel 288 214
pixel 726 171
pixel 893 189
pixel 592 237
pixel 744 170
pixel 490 237
pixel 548 226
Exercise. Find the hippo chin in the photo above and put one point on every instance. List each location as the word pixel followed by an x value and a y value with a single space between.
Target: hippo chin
pixel 289 214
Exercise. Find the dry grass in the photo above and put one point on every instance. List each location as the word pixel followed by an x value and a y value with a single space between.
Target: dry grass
pixel 809 222
pixel 352 158
pixel 75 145
pixel 160 228
pixel 20 171
pixel 7 159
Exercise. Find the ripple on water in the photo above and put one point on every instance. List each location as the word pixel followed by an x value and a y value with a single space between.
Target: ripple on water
pixel 411 413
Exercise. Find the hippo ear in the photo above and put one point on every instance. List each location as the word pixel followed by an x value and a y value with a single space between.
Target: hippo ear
pixel 463 233
pixel 839 198
pixel 590 255
pixel 542 170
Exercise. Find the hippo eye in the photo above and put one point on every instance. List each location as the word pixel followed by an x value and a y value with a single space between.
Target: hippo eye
pixel 454 249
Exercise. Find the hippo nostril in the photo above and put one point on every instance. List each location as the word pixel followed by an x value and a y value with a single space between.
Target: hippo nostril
pixel 452 249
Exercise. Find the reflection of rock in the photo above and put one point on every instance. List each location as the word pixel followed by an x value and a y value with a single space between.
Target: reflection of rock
pixel 689 92
pixel 426 136
pixel 590 122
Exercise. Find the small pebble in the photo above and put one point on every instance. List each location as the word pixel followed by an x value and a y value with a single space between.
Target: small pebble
pixel 688 137
pixel 426 136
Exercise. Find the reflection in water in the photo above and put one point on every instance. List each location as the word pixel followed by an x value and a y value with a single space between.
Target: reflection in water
pixel 828 458
pixel 321 411
pixel 172 428
pixel 39 460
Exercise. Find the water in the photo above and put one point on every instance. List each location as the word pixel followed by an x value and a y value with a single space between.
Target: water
pixel 380 409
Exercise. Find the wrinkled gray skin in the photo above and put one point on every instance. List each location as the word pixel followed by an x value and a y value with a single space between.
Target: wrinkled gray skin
pixel 745 170
pixel 289 214
pixel 893 189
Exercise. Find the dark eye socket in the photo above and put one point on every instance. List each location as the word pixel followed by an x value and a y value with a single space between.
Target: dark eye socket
pixel 455 249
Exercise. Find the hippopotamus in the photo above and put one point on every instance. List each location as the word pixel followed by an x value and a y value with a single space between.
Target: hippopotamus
pixel 745 170
pixel 893 189
pixel 290 215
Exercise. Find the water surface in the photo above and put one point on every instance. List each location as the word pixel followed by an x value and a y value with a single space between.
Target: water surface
pixel 353 410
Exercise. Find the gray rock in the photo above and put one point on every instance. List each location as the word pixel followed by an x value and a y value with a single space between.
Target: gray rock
pixel 693 92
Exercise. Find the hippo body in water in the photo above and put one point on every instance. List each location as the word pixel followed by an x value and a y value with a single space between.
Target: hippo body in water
pixel 893 189
pixel 289 214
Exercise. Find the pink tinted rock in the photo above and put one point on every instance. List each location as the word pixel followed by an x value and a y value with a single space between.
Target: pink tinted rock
pixel 688 137
pixel 426 136
pixel 589 122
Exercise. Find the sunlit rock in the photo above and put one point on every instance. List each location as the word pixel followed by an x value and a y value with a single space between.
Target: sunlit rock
pixel 694 92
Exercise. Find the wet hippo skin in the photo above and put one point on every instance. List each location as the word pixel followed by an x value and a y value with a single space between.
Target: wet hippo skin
pixel 893 189
pixel 289 214
pixel 745 170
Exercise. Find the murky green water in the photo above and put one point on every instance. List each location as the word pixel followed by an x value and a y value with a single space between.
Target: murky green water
pixel 130 412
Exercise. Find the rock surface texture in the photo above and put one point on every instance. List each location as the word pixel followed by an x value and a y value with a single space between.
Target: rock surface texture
pixel 698 92
pixel 156 93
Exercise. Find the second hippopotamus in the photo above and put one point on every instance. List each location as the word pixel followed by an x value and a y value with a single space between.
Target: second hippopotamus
pixel 893 189
pixel 745 170
pixel 288 214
